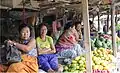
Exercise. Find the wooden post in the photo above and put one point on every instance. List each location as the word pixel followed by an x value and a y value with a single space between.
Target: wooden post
pixel 93 18
pixel 64 19
pixel 116 18
pixel 114 46
pixel 108 20
pixel 41 17
pixel 87 43
pixel 98 13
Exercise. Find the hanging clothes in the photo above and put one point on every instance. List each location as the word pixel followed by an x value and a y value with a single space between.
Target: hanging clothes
pixel 54 26
pixel 58 25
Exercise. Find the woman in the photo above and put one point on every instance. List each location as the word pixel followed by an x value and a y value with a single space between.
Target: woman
pixel 67 45
pixel 92 27
pixel 78 27
pixel 47 59
pixel 28 52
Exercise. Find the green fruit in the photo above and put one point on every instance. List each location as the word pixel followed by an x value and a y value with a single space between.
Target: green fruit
pixel 98 43
pixel 65 68
pixel 102 39
pixel 73 65
pixel 82 69
pixel 82 58
pixel 77 67
pixel 66 72
pixel 77 58
pixel 74 61
pixel 96 67
pixel 81 72
pixel 104 45
pixel 77 71
pixel 81 62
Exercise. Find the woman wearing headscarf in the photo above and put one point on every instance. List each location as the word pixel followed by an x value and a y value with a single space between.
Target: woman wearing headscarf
pixel 67 45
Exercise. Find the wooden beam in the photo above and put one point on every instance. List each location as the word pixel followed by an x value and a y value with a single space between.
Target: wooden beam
pixel 87 43
pixel 114 46
pixel 117 4
pixel 4 7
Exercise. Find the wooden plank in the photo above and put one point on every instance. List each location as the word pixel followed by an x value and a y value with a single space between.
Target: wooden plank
pixel 87 35
pixel 114 46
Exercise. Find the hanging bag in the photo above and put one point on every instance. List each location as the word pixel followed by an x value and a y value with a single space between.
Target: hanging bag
pixel 11 54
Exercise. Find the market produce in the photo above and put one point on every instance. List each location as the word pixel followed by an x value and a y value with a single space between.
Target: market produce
pixel 101 60
pixel 118 41
pixel 101 42
pixel 117 27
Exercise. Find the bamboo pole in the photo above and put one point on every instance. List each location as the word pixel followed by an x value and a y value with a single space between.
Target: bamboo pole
pixel 87 35
pixel 114 46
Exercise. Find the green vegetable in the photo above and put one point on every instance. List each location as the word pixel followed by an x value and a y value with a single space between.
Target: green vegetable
pixel 104 45
pixel 117 27
pixel 98 43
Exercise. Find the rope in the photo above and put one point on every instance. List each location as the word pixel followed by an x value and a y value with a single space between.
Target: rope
pixel 23 15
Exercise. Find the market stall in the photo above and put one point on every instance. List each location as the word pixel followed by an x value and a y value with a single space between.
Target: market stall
pixel 101 50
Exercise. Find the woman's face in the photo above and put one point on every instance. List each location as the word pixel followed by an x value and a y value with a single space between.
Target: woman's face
pixel 25 33
pixel 78 27
pixel 43 30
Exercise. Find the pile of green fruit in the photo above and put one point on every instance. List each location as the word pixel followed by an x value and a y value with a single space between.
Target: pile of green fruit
pixel 117 27
pixel 101 42
pixel 118 41
pixel 101 59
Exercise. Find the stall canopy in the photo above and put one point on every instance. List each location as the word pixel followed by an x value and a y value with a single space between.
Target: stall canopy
pixel 54 5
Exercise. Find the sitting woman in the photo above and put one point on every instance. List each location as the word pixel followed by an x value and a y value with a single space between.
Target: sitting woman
pixel 27 46
pixel 67 45
pixel 47 58
pixel 78 27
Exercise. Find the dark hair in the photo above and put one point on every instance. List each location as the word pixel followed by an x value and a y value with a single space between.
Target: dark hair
pixel 68 25
pixel 90 22
pixel 39 28
pixel 42 24
pixel 23 26
pixel 77 23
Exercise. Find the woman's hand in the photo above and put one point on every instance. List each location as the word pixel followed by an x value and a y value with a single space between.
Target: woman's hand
pixel 11 42
pixel 44 51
